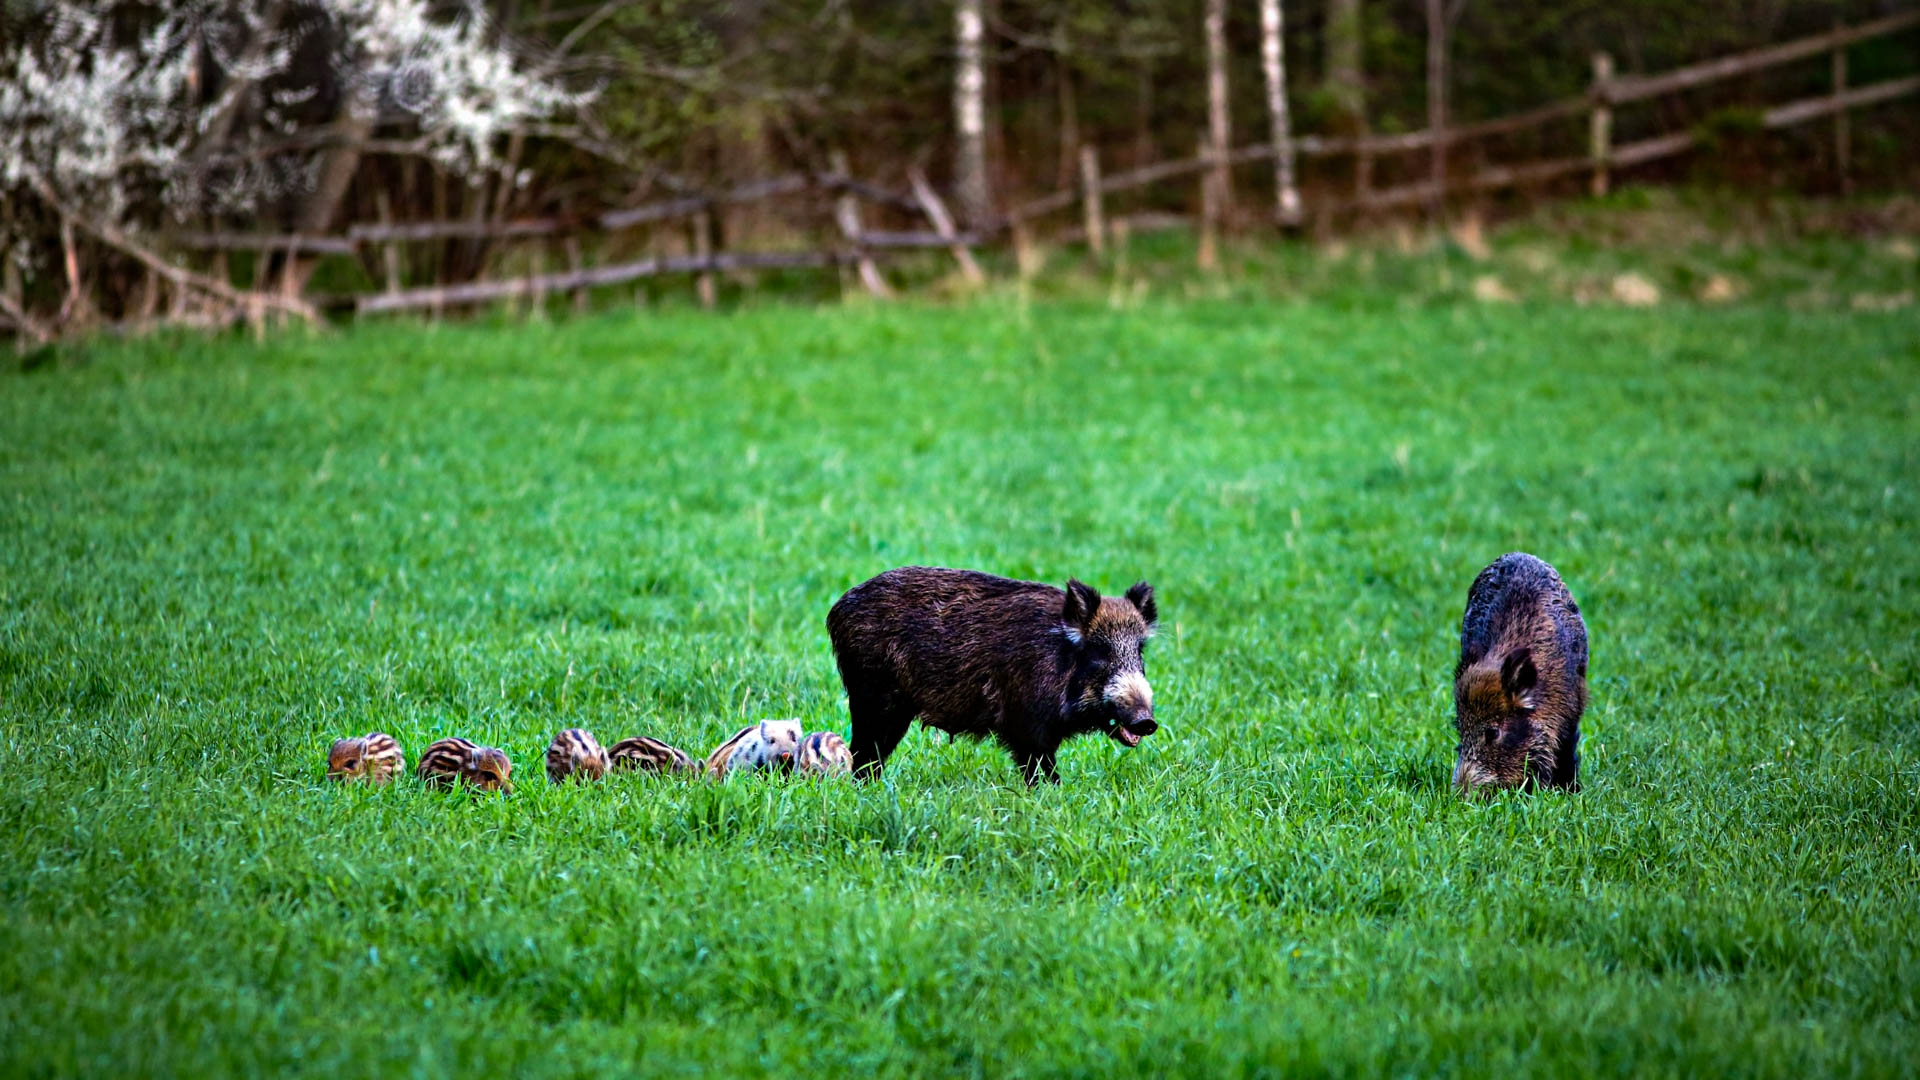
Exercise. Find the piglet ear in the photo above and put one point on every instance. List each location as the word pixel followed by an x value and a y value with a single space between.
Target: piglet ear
pixel 1142 597
pixel 1077 613
pixel 1518 676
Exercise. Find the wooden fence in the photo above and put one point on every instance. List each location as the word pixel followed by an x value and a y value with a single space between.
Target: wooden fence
pixel 860 247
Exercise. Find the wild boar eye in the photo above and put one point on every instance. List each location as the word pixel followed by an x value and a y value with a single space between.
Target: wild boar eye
pixel 1490 734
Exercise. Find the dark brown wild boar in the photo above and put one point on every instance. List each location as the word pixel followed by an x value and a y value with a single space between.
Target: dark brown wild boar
pixel 978 655
pixel 1521 683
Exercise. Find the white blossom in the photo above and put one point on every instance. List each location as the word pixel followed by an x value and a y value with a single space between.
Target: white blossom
pixel 116 119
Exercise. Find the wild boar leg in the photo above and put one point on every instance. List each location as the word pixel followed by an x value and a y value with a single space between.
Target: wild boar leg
pixel 1035 762
pixel 875 729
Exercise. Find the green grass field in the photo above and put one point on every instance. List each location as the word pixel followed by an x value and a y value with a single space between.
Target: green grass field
pixel 218 556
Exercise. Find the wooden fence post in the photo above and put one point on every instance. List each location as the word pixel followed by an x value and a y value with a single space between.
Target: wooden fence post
pixel 1026 258
pixel 389 251
pixel 1208 256
pixel 537 292
pixel 149 292
pixel 1090 199
pixel 1363 174
pixel 846 211
pixel 936 212
pixel 1842 133
pixel 703 284
pixel 576 263
pixel 1600 127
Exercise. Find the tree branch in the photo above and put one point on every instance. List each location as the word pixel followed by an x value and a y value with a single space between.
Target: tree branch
pixel 26 323
pixel 114 238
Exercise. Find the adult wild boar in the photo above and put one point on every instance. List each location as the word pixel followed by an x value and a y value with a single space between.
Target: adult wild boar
pixel 978 655
pixel 1521 683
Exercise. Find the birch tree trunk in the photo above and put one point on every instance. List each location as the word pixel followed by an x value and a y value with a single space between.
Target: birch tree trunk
pixel 1273 59
pixel 970 112
pixel 1219 127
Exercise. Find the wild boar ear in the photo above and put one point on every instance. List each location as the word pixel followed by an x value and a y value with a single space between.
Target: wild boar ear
pixel 1077 613
pixel 1142 597
pixel 1518 676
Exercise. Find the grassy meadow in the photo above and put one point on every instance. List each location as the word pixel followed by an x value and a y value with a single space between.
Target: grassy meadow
pixel 218 555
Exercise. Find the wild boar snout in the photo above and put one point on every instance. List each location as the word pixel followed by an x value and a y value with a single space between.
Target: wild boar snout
pixel 1130 697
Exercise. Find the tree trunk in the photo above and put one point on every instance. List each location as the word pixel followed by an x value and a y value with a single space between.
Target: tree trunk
pixel 1069 120
pixel 1208 255
pixel 970 113
pixel 1003 171
pixel 1842 129
pixel 1437 103
pixel 1143 145
pixel 1219 128
pixel 1273 59
pixel 338 163
pixel 1344 81
pixel 1090 198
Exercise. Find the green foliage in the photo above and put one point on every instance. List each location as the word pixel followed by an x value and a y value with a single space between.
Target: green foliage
pixel 215 557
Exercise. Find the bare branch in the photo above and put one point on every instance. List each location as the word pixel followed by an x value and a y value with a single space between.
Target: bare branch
pixel 573 36
pixel 24 322
pixel 114 238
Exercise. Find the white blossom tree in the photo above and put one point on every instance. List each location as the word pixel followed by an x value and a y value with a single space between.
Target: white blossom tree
pixel 118 117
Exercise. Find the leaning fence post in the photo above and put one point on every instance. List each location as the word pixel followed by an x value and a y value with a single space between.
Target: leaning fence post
pixel 1842 133
pixel 1090 200
pixel 936 212
pixel 846 211
pixel 1600 129
pixel 1208 256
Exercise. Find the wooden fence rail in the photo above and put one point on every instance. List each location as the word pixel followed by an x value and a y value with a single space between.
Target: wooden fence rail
pixel 1640 87
pixel 871 245
pixel 1653 149
pixel 1615 90
pixel 685 206
pixel 478 292
pixel 860 246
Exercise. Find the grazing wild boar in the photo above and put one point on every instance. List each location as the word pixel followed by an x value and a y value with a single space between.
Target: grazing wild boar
pixel 576 755
pixel 456 760
pixel 374 758
pixel 978 655
pixel 1521 683
pixel 823 753
pixel 644 753
pixel 768 744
